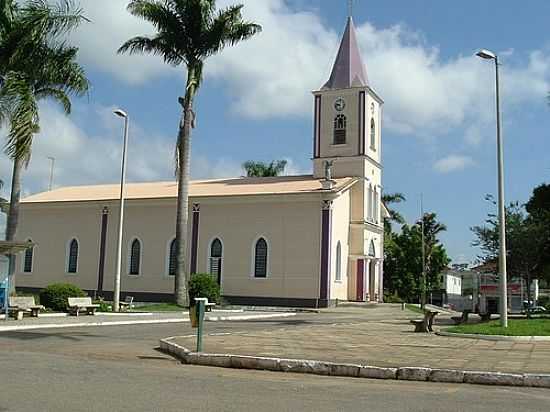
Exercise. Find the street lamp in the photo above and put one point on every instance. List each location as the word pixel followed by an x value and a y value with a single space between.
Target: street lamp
pixel 489 55
pixel 116 291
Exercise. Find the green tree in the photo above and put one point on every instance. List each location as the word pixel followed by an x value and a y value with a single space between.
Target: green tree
pixel 403 259
pixel 187 33
pixel 261 169
pixel 395 217
pixel 36 64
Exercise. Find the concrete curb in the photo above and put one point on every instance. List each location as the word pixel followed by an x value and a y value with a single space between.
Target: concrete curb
pixel 495 337
pixel 349 370
pixel 185 318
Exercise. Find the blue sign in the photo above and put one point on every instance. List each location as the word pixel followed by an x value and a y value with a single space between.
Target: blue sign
pixel 3 286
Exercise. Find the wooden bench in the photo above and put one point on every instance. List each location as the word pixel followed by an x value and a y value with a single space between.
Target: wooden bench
pixel 127 304
pixel 458 320
pixel 425 325
pixel 76 305
pixel 19 305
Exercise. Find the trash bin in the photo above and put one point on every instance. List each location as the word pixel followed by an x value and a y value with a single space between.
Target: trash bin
pixel 3 285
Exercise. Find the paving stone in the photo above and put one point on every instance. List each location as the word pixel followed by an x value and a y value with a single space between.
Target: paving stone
pixel 252 362
pixel 413 373
pixel 343 369
pixel 305 366
pixel 537 380
pixel 494 378
pixel 374 372
pixel 446 375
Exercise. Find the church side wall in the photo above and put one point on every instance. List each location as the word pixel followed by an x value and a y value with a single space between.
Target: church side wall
pixel 291 228
pixel 292 232
pixel 340 233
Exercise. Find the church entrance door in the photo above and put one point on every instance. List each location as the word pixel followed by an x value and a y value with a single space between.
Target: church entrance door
pixel 360 296
pixel 372 280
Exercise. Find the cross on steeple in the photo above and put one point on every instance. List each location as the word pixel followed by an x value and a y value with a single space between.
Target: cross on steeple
pixel 350 8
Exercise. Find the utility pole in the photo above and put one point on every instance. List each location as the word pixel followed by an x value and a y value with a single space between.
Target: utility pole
pixel 423 297
pixel 52 166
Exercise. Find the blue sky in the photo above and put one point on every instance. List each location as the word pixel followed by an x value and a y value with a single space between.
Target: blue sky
pixel 438 135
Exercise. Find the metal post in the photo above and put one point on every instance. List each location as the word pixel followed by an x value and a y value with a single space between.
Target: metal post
pixel 116 292
pixel 200 318
pixel 11 270
pixel 52 166
pixel 423 298
pixel 501 211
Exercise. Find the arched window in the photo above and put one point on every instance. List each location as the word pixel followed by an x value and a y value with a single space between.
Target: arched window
pixel 28 259
pixel 339 261
pixel 340 129
pixel 72 261
pixel 215 259
pixel 372 249
pixel 260 259
pixel 370 204
pixel 172 258
pixel 372 134
pixel 135 257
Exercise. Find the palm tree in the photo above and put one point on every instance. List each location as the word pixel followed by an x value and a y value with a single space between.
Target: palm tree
pixel 261 169
pixel 395 216
pixel 36 64
pixel 4 205
pixel 187 33
pixel 432 228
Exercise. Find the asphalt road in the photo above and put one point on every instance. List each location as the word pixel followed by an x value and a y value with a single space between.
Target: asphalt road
pixel 116 368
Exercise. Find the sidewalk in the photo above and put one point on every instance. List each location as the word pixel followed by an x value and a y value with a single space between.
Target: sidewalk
pixel 50 321
pixel 383 337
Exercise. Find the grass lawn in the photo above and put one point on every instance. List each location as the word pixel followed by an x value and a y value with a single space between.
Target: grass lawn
pixel 414 308
pixel 516 327
pixel 161 307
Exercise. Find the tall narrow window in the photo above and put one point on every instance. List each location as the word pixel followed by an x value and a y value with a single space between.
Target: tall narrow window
pixel 135 257
pixel 369 206
pixel 72 264
pixel 215 260
pixel 338 262
pixel 28 258
pixel 372 134
pixel 260 259
pixel 340 129
pixel 376 204
pixel 172 258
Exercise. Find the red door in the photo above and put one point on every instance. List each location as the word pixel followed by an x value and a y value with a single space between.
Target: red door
pixel 360 280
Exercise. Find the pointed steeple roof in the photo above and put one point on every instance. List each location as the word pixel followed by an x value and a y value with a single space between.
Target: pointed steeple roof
pixel 349 70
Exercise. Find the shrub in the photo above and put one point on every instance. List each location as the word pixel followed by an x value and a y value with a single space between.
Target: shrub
pixel 392 298
pixel 55 296
pixel 203 285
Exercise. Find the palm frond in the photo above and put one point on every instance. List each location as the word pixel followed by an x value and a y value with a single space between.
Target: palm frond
pixel 56 94
pixel 41 17
pixel 228 29
pixel 157 46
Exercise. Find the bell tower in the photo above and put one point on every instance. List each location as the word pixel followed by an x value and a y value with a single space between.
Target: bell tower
pixel 348 117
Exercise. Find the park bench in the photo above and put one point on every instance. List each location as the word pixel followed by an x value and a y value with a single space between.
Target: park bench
pixel 76 305
pixel 485 316
pixel 459 320
pixel 19 305
pixel 425 325
pixel 127 304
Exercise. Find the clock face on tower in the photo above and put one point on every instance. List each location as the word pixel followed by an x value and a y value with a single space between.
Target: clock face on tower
pixel 339 104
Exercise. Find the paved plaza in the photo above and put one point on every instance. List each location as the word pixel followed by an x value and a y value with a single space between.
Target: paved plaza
pixel 379 336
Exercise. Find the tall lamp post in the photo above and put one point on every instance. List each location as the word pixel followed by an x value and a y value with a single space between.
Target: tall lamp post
pixel 116 290
pixel 489 55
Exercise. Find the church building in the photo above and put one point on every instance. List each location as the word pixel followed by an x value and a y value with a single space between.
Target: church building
pixel 290 241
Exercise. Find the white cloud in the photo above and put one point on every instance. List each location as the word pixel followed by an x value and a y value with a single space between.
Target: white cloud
pixel 272 75
pixel 453 163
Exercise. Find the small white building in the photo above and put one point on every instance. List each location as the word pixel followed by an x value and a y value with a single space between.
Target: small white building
pixel 291 240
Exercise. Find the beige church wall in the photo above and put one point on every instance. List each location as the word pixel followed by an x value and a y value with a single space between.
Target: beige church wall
pixel 292 231
pixel 329 113
pixel 371 102
pixel 340 233
pixel 53 226
pixel 290 226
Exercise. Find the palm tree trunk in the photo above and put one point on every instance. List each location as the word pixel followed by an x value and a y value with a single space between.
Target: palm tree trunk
pixel 13 214
pixel 184 160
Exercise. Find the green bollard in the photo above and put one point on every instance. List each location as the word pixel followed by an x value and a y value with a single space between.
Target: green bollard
pixel 200 318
